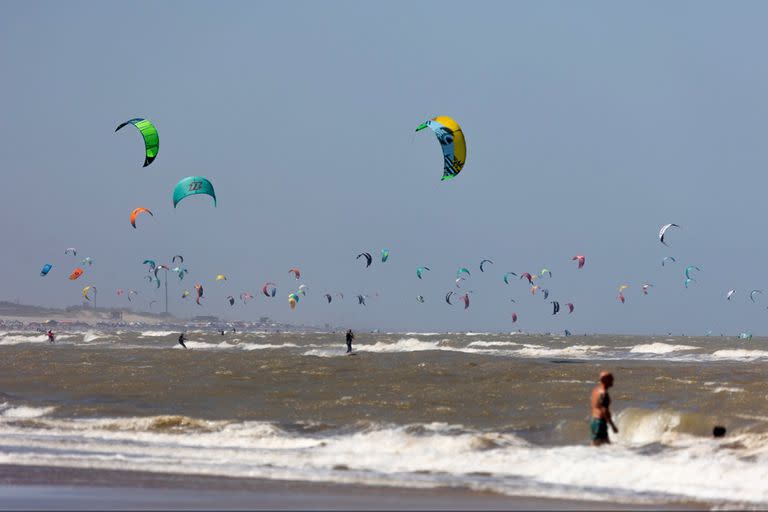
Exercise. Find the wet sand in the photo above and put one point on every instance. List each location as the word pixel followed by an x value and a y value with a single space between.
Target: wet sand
pixel 46 488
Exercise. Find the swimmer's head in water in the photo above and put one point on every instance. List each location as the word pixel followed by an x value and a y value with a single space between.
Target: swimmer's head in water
pixel 606 378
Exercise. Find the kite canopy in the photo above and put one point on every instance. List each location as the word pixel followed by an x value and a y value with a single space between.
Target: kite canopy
pixel 136 212
pixel 581 259
pixel 231 300
pixel 269 289
pixel 514 317
pixel 462 270
pixel 151 138
pixel 368 258
pixel 451 139
pixel 221 277
pixel 384 255
pixel 570 307
pixel 199 291
pixel 191 186
pixel 667 258
pixel 46 268
pixel 663 231
pixel 420 299
pixel 483 262
pixel 506 276
pixel 296 272
pixel 420 270
pixel 76 273
pixel 87 289
pixel 688 271
pixel 178 257
pixel 71 250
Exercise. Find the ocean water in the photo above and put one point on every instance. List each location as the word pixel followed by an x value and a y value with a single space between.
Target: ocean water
pixel 507 413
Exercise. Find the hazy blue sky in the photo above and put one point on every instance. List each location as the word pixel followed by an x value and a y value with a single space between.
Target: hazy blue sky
pixel 589 125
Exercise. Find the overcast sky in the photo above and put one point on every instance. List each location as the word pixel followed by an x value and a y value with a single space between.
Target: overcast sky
pixel 588 126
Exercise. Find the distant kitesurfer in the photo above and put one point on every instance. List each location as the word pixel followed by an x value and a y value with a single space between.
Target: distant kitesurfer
pixel 182 339
pixel 350 337
pixel 51 336
pixel 601 413
pixel 718 431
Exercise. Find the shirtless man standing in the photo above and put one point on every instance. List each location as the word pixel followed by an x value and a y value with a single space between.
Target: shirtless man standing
pixel 601 412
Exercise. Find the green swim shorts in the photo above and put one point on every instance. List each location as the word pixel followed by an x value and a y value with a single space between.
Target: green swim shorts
pixel 599 428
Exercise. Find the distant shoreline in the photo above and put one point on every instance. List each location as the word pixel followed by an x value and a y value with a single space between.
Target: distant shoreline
pixel 84 317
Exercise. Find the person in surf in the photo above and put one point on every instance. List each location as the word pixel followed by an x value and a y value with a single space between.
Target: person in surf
pixel 182 339
pixel 350 337
pixel 601 412
pixel 51 336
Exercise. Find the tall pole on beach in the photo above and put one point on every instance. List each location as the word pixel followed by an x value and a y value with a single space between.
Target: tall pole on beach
pixel 166 291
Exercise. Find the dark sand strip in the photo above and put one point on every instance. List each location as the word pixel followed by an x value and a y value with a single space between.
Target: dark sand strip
pixel 49 488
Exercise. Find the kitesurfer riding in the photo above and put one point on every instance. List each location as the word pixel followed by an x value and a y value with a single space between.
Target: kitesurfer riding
pixel 601 413
pixel 182 339
pixel 51 336
pixel 350 337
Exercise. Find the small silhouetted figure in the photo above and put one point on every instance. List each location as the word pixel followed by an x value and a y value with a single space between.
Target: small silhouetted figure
pixel 221 331
pixel 51 336
pixel 233 330
pixel 182 339
pixel 350 337
pixel 718 431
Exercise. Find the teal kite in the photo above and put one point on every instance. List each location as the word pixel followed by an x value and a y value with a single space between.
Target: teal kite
pixel 151 138
pixel 506 276
pixel 384 255
pixel 191 186
pixel 462 270
pixel 420 270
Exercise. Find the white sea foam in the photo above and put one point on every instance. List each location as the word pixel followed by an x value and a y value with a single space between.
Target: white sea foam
pixel 23 411
pixel 155 334
pixel 430 455
pixel 740 354
pixel 401 345
pixel 660 348
pixel 256 346
pixel 493 344
pixel 91 336
pixel 16 339
pixel 574 351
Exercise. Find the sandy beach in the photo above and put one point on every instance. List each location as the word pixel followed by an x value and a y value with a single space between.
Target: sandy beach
pixel 45 488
